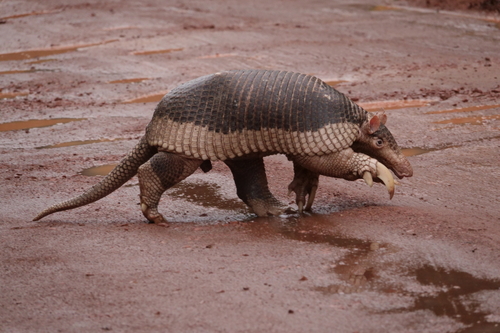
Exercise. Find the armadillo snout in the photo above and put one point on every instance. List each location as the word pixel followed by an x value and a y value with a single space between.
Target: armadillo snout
pixel 403 169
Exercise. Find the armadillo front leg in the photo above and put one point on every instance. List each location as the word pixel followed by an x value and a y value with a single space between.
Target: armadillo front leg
pixel 349 165
pixel 161 172
pixel 304 183
pixel 252 187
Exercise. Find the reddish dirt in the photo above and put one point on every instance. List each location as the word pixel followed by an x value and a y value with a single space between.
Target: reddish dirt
pixel 427 261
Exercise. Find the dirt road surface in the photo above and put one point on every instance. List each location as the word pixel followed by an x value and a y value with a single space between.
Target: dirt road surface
pixel 79 81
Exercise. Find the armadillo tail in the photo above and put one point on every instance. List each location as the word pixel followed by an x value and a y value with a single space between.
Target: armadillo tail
pixel 125 170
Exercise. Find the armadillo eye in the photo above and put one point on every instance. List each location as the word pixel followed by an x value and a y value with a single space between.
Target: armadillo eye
pixel 379 142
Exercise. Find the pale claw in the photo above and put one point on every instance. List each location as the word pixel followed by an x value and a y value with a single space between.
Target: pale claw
pixel 300 205
pixel 367 176
pixel 310 199
pixel 386 176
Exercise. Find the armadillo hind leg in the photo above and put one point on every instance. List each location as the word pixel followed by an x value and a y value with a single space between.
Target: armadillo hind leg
pixel 304 183
pixel 161 172
pixel 252 187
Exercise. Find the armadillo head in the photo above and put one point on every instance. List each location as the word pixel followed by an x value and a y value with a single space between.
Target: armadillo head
pixel 376 141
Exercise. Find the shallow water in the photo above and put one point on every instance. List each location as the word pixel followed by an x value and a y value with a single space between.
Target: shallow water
pixel 76 143
pixel 414 151
pixel 100 170
pixel 357 270
pixel 394 105
pixel 477 120
pixel 467 109
pixel 35 123
pixel 452 301
pixel 11 95
pixel 157 51
pixel 151 98
pixel 136 80
pixel 205 194
pixel 37 53
pixel 43 12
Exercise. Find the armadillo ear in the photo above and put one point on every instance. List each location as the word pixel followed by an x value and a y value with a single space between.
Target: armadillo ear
pixel 374 124
pixel 383 118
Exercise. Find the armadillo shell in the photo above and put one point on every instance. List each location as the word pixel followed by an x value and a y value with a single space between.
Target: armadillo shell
pixel 236 113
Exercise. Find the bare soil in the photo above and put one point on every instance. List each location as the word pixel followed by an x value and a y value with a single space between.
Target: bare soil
pixel 426 261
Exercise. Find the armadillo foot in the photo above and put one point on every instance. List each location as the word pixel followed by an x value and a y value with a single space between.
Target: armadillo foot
pixel 153 215
pixel 270 207
pixel 304 183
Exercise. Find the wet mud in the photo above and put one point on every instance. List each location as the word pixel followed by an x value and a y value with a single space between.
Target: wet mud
pixel 425 261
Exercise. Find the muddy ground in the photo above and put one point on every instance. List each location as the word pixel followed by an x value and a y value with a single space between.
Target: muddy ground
pixel 426 261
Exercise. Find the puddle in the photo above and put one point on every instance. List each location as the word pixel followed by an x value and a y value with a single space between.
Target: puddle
pixel 36 123
pixel 478 120
pixel 414 151
pixel 333 83
pixel 396 104
pixel 30 14
pixel 18 72
pixel 101 170
pixel 77 143
pixel 218 55
pixel 11 95
pixel 201 193
pixel 205 194
pixel 382 8
pixel 354 269
pixel 468 109
pixel 140 79
pixel 156 51
pixel 29 54
pixel 357 271
pixel 151 98
pixel 450 302
pixel 122 27
pixel 40 61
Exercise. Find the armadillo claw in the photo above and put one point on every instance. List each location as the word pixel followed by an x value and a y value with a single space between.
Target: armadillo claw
pixel 310 199
pixel 300 206
pixel 386 176
pixel 367 176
